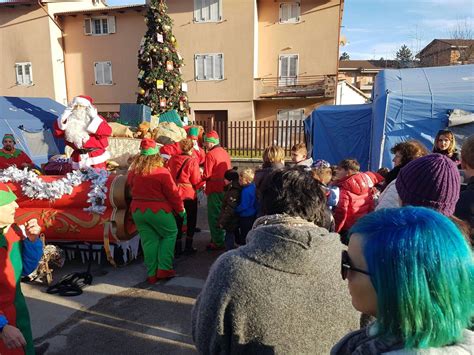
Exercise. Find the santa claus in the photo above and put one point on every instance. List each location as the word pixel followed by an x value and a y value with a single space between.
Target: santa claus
pixel 85 132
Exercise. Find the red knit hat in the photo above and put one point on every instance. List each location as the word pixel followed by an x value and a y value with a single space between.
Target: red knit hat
pixel 212 137
pixel 6 195
pixel 148 147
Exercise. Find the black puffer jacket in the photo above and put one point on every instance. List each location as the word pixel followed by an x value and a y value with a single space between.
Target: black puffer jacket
pixel 228 219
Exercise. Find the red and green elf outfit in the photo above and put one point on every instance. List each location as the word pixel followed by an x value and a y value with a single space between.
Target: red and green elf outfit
pixel 18 257
pixel 154 199
pixel 15 157
pixel 217 162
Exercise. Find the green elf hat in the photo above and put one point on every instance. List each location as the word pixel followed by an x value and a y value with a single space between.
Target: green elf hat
pixel 212 137
pixel 6 195
pixel 9 136
pixel 193 133
pixel 148 147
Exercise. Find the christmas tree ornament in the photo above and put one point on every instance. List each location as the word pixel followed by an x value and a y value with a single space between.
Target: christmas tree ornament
pixel 141 91
pixel 166 50
pixel 163 102
pixel 173 39
pixel 140 74
pixel 181 105
pixel 167 28
pixel 159 37
pixel 184 87
pixel 160 84
pixel 169 65
pixel 171 87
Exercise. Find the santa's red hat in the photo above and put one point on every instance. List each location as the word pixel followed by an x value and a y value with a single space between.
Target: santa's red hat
pixel 6 195
pixel 88 98
pixel 148 147
pixel 212 137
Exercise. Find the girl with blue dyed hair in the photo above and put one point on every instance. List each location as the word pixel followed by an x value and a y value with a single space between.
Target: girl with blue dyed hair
pixel 412 269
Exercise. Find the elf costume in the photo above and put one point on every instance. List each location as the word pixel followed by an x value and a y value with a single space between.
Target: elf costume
pixel 15 157
pixel 217 162
pixel 18 257
pixel 154 199
pixel 198 152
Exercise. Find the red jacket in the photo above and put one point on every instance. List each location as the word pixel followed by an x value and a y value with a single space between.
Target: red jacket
pixel 217 162
pixel 200 155
pixel 189 179
pixel 355 201
pixel 156 191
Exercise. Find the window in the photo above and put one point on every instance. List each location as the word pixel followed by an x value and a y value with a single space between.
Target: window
pixel 209 66
pixel 288 73
pixel 290 115
pixel 24 74
pixel 285 136
pixel 103 73
pixel 207 10
pixel 290 12
pixel 98 26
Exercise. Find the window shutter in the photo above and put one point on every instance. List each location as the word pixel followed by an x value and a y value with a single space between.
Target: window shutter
pixel 111 24
pixel 284 12
pixel 295 12
pixel 283 66
pixel 219 67
pixel 19 74
pixel 214 10
pixel 27 76
pixel 197 10
pixel 206 10
pixel 87 27
pixel 107 68
pixel 99 73
pixel 199 64
pixel 208 67
pixel 293 67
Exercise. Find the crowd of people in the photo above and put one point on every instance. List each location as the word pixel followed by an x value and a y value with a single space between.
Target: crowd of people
pixel 292 235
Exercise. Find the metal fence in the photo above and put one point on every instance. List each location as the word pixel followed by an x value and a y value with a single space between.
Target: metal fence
pixel 247 139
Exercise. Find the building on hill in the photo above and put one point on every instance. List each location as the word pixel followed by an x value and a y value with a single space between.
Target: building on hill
pixel 442 52
pixel 361 73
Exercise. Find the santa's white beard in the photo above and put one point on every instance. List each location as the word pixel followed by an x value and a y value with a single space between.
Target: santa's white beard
pixel 76 127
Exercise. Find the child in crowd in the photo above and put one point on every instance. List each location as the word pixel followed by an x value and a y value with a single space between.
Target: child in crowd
pixel 322 172
pixel 228 218
pixel 299 155
pixel 445 144
pixel 248 207
pixel 356 196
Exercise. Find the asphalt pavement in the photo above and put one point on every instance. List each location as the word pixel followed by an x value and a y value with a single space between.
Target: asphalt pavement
pixel 120 313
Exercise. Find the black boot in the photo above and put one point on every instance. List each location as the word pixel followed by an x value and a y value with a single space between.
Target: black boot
pixel 188 249
pixel 178 248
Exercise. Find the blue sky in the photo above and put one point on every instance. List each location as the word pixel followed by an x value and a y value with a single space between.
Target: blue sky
pixel 377 28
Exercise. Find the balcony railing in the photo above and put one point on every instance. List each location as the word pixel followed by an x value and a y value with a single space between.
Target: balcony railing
pixel 299 86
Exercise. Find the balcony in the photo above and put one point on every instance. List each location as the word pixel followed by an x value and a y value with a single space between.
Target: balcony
pixel 310 86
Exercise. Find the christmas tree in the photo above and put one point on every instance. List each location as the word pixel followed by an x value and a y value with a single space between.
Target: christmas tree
pixel 159 63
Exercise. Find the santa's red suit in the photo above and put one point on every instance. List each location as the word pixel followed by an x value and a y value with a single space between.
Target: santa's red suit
pixel 89 151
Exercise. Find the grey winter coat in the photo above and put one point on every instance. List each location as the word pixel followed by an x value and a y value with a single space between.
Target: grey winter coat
pixel 282 293
pixel 363 342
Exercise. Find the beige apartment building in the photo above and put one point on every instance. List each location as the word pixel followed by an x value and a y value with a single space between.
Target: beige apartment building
pixel 32 57
pixel 272 59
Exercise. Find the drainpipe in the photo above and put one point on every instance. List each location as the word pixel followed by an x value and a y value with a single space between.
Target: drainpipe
pixel 341 3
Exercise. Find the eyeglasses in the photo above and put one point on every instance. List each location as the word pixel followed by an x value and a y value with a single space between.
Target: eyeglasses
pixel 346 266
